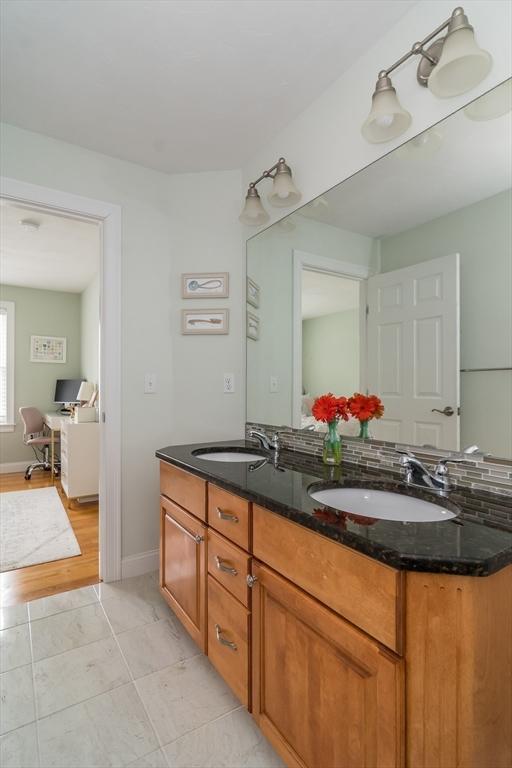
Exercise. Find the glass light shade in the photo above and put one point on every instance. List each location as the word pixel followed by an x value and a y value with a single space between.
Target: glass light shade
pixel 284 192
pixel 462 65
pixel 493 104
pixel 387 118
pixel 86 391
pixel 253 212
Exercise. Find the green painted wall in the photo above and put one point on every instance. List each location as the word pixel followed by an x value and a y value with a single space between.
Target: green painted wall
pixel 330 353
pixel 39 313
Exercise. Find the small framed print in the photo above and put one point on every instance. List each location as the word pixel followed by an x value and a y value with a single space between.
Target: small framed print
pixel 253 326
pixel 47 349
pixel 199 285
pixel 253 293
pixel 204 321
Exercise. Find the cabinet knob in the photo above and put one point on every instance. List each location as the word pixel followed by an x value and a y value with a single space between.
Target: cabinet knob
pixel 251 580
pixel 222 640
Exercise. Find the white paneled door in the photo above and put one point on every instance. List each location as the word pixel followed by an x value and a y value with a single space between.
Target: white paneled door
pixel 413 352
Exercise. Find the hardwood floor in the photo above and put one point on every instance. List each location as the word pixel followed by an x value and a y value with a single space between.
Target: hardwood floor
pixel 60 575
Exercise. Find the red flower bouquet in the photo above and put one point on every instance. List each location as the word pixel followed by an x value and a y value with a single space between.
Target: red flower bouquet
pixel 363 408
pixel 330 409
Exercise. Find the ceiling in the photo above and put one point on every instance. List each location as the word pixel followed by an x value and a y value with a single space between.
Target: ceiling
pixel 324 294
pixel 177 85
pixel 460 163
pixel 62 255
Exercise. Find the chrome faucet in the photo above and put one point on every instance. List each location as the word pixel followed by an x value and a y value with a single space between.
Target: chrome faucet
pixel 269 444
pixel 417 473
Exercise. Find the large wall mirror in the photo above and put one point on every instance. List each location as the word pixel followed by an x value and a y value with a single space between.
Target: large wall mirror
pixel 397 282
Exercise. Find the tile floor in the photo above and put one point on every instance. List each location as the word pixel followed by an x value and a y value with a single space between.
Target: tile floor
pixel 106 676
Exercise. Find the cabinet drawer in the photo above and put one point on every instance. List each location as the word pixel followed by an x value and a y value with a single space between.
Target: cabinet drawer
pixel 367 593
pixel 229 565
pixel 228 639
pixel 185 489
pixel 230 515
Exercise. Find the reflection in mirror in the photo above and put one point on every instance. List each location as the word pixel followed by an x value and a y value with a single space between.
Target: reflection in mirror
pixel 399 282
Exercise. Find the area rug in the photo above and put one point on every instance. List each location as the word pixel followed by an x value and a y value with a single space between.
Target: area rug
pixel 34 528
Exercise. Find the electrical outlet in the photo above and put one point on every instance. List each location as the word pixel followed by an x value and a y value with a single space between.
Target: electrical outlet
pixel 274 384
pixel 149 383
pixel 229 383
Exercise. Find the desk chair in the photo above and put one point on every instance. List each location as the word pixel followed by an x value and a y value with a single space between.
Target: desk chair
pixel 34 435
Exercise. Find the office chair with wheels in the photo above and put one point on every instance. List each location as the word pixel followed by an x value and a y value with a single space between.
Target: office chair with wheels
pixel 34 435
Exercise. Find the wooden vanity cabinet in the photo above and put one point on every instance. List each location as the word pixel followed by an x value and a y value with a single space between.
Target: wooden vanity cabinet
pixel 323 692
pixel 183 568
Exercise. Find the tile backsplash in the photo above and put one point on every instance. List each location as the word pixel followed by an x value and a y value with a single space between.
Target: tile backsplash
pixel 479 472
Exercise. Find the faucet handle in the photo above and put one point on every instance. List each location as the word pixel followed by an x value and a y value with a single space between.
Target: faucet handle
pixel 442 469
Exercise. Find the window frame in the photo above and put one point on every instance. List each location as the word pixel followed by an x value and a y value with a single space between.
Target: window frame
pixel 10 423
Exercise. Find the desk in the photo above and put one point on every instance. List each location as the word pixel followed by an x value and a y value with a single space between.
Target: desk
pixel 54 423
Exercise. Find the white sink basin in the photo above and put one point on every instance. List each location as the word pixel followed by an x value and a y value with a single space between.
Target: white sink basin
pixel 383 505
pixel 221 455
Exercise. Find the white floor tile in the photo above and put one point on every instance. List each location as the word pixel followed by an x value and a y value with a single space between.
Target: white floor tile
pixel 67 630
pixel 12 615
pixel 63 601
pixel 16 698
pixel 76 675
pixel 108 731
pixel 155 646
pixel 14 647
pixel 184 696
pixel 131 609
pixel 233 741
pixel 144 586
pixel 154 760
pixel 18 749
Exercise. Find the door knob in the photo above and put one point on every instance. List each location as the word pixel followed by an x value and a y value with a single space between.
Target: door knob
pixel 448 411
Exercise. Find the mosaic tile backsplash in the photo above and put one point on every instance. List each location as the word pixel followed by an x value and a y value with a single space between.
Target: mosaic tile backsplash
pixel 479 472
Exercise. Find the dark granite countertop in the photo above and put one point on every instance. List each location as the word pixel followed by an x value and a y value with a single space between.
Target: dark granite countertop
pixel 456 546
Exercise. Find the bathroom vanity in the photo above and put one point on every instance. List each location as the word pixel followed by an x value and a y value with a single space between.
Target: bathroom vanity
pixel 353 641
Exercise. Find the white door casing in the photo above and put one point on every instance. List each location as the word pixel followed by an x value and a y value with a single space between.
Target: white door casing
pixel 302 260
pixel 414 352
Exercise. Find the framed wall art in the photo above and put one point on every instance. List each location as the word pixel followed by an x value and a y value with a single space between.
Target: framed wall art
pixel 47 349
pixel 204 321
pixel 200 285
pixel 253 293
pixel 253 326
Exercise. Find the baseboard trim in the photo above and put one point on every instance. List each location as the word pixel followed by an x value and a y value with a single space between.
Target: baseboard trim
pixel 14 466
pixel 136 565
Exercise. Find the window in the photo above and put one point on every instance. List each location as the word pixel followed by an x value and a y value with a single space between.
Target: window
pixel 6 365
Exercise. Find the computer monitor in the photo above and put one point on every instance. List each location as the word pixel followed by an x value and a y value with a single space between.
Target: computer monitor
pixel 66 390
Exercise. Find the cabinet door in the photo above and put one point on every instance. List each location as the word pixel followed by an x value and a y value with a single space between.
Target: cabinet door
pixel 324 694
pixel 183 568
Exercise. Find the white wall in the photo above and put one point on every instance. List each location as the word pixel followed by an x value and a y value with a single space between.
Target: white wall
pixel 90 330
pixel 169 225
pixel 324 143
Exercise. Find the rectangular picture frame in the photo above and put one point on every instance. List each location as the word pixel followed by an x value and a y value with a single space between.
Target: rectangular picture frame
pixel 253 326
pixel 204 285
pixel 253 293
pixel 204 322
pixel 48 349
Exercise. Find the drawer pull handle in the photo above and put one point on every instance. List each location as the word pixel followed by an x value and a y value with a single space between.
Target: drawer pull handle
pixel 225 568
pixel 227 516
pixel 251 580
pixel 222 640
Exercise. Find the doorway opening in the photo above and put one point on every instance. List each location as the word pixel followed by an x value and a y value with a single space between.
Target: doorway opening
pixel 60 286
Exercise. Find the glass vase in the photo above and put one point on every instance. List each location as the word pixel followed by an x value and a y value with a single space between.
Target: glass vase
pixel 332 445
pixel 364 429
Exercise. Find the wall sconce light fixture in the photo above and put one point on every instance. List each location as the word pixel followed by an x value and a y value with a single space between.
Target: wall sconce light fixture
pixel 451 65
pixel 283 193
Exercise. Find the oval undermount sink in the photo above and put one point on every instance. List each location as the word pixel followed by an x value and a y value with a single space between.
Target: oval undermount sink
pixel 383 505
pixel 237 455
